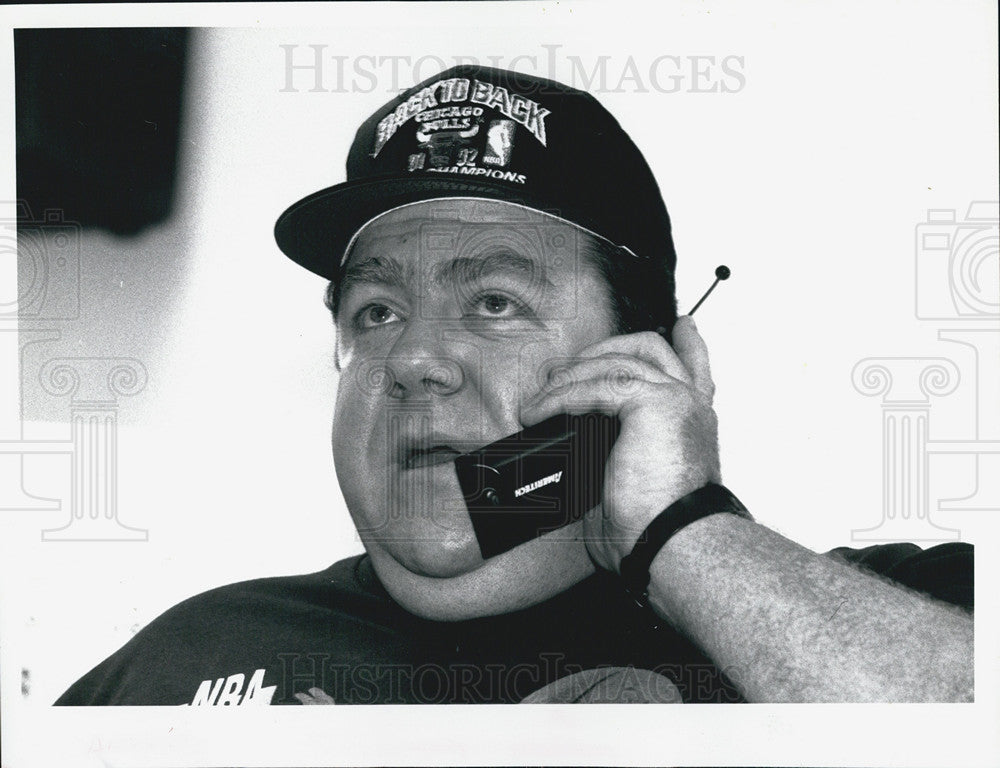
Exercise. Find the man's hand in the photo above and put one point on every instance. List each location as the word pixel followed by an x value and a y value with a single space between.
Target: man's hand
pixel 668 444
pixel 787 624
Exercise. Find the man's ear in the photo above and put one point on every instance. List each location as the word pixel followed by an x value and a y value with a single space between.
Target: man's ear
pixel 330 300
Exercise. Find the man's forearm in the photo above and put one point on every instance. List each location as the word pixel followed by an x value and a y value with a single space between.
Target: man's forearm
pixel 788 624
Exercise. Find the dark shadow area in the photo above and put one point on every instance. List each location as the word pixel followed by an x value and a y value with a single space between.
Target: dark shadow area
pixel 102 249
pixel 98 123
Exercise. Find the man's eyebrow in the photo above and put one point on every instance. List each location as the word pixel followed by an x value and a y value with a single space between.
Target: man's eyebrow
pixel 386 270
pixel 463 269
pixel 380 270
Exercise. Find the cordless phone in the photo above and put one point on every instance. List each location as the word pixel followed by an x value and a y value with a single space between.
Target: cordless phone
pixel 541 478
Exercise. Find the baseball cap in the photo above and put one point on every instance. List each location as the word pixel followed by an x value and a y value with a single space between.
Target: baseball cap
pixel 480 132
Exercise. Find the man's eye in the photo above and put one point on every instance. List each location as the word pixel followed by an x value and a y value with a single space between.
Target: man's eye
pixel 497 305
pixel 374 315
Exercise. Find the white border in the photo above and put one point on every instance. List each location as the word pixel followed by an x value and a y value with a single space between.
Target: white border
pixel 929 735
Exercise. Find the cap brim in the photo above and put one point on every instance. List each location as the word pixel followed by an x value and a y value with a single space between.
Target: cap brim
pixel 315 231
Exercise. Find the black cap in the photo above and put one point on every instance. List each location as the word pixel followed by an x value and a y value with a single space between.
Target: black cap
pixel 473 131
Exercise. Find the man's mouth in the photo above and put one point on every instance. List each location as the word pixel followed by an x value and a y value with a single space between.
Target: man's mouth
pixel 417 449
pixel 419 457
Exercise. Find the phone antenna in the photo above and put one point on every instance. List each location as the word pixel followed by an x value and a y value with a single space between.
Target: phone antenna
pixel 722 272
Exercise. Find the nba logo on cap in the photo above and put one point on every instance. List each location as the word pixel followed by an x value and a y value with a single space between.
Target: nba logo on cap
pixel 499 142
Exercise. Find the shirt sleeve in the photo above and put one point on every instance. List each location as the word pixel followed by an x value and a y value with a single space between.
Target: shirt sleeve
pixel 944 572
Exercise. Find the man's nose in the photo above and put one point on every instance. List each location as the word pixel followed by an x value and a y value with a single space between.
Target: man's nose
pixel 420 363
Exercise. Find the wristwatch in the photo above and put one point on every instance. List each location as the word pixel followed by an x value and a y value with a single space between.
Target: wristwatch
pixel 712 499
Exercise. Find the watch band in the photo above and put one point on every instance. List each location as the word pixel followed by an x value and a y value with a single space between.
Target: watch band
pixel 709 500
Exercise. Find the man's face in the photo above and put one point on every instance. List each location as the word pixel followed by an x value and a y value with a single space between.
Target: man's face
pixel 452 313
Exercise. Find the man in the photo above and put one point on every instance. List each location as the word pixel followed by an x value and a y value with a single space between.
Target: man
pixel 499 255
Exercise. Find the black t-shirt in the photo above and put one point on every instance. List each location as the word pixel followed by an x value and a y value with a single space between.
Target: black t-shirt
pixel 337 637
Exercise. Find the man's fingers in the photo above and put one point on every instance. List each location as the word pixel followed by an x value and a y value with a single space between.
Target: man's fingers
pixel 591 386
pixel 693 354
pixel 606 376
pixel 619 373
pixel 575 400
pixel 646 345
pixel 610 390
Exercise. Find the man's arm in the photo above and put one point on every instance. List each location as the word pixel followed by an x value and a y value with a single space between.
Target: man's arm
pixel 788 624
